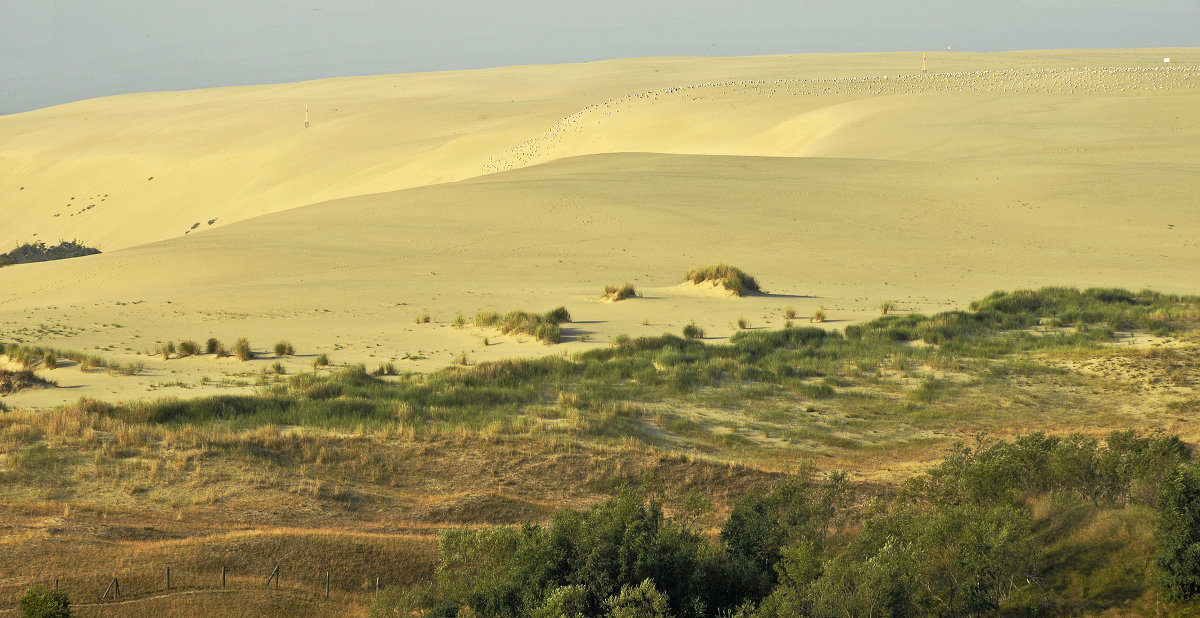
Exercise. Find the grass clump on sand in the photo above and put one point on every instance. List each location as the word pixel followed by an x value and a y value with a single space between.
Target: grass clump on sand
pixel 691 331
pixel 544 326
pixel 614 293
pixel 13 381
pixel 188 348
pixel 212 345
pixel 241 349
pixel 283 348
pixel 36 357
pixel 731 278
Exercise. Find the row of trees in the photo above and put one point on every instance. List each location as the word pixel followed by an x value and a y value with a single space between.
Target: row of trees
pixel 960 540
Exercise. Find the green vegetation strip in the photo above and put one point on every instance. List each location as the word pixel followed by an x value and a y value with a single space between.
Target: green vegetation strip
pixel 772 381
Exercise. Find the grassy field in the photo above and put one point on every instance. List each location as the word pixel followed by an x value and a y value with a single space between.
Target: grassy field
pixel 344 472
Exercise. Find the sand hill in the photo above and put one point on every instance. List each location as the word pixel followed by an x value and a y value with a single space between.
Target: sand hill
pixel 840 181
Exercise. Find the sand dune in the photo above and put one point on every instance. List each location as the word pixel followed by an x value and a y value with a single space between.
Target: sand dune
pixel 531 187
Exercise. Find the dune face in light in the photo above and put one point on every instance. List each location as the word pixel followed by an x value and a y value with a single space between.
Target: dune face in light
pixel 837 180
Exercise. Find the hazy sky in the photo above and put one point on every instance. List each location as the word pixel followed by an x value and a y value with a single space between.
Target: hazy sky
pixel 54 51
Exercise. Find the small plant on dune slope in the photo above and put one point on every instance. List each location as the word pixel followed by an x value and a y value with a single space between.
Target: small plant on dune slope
pixel 886 307
pixel 212 345
pixel 284 348
pixel 818 316
pixel 322 360
pixel 731 278
pixel 614 293
pixel 241 349
pixel 188 348
pixel 691 331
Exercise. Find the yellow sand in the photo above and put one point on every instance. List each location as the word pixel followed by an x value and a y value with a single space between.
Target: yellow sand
pixel 840 181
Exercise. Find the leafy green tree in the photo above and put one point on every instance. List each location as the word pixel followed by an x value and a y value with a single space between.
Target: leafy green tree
pixel 641 601
pixel 563 602
pixel 1178 534
pixel 762 524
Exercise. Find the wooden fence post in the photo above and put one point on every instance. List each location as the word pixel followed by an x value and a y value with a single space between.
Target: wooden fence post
pixel 376 586
pixel 274 576
pixel 326 584
pixel 222 576
pixel 168 578
pixel 114 586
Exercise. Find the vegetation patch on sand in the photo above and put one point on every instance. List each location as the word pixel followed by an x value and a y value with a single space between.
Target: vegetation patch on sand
pixel 39 252
pixel 13 381
pixel 542 326
pixel 617 293
pixel 729 277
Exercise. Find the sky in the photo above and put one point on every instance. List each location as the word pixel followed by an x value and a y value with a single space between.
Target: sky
pixel 56 51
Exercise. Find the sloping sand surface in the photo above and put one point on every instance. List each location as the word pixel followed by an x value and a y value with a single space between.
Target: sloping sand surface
pixel 839 181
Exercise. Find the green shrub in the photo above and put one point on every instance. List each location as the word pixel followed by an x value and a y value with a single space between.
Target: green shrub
pixel 241 349
pixel 321 360
pixel 733 279
pixel 743 324
pixel 212 345
pixel 691 331
pixel 49 360
pixel 284 348
pixel 818 316
pixel 39 252
pixel 38 602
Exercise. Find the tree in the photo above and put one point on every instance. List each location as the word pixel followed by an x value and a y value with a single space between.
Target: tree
pixel 1178 533
pixel 641 601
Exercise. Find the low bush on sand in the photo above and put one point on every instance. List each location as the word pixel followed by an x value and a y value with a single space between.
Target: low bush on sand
pixel 241 349
pixel 543 327
pixel 733 279
pixel 188 348
pixel 284 348
pixel 39 252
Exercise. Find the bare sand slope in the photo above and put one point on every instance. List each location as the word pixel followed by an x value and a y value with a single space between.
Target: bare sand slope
pixel 126 170
pixel 1028 169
